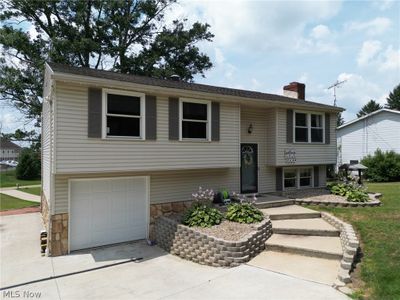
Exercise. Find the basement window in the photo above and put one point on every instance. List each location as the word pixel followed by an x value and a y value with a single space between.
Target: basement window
pixel 295 178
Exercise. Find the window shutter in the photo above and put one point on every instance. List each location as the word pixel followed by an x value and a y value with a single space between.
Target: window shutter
pixel 215 121
pixel 327 128
pixel 173 118
pixel 151 117
pixel 94 112
pixel 278 172
pixel 289 126
pixel 316 176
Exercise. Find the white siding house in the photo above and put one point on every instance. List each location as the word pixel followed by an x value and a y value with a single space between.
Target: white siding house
pixel 363 136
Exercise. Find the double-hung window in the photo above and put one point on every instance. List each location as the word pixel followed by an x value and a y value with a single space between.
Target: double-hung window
pixel 124 114
pixel 195 120
pixel 305 175
pixel 290 178
pixel 295 178
pixel 308 127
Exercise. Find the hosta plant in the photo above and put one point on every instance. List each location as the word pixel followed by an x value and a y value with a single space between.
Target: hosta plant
pixel 244 213
pixel 202 215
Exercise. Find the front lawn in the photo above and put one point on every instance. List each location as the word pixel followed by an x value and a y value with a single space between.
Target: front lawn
pixel 379 230
pixel 8 202
pixel 31 190
pixel 8 179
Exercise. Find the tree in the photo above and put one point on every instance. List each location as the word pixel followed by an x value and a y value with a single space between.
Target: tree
pixel 129 36
pixel 368 108
pixel 28 164
pixel 393 100
pixel 339 120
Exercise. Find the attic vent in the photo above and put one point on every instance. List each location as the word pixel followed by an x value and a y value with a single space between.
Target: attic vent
pixel 175 77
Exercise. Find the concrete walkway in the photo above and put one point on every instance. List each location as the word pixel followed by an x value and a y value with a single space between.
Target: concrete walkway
pixel 21 186
pixel 20 195
pixel 158 275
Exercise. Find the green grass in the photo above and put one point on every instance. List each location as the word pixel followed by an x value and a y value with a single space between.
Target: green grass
pixel 8 202
pixel 8 179
pixel 31 190
pixel 379 230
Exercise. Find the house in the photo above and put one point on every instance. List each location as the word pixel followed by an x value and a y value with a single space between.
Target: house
pixel 120 150
pixel 363 136
pixel 8 150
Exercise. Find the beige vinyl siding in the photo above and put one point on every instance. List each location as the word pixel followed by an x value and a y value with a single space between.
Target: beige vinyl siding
pixel 307 153
pixel 262 121
pixel 47 121
pixel 322 175
pixel 164 186
pixel 77 153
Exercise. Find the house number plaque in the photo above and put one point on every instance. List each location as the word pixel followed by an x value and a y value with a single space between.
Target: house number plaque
pixel 290 156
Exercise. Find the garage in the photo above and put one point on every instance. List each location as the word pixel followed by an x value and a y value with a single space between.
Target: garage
pixel 107 211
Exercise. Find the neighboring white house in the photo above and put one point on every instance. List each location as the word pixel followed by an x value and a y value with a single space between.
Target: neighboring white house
pixel 9 150
pixel 362 136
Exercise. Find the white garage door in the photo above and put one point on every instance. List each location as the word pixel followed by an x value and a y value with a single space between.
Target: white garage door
pixel 107 211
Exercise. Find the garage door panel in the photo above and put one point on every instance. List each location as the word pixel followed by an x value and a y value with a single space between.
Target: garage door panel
pixel 115 213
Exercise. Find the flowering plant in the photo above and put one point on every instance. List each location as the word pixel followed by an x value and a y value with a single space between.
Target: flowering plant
pixel 203 195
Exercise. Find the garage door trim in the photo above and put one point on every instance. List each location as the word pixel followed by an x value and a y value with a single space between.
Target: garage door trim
pixel 70 181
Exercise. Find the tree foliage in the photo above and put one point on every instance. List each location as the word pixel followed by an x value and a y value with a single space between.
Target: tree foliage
pixel 129 36
pixel 393 100
pixel 368 108
pixel 339 120
pixel 28 164
pixel 382 166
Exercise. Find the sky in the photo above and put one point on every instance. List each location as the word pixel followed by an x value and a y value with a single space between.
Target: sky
pixel 264 45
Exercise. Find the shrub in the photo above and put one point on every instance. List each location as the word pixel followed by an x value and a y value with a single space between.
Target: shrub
pixel 202 215
pixel 28 165
pixel 382 166
pixel 244 213
pixel 352 191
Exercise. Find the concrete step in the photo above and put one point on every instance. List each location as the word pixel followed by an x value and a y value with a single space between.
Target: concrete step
pixel 316 227
pixel 309 268
pixel 290 212
pixel 273 203
pixel 315 246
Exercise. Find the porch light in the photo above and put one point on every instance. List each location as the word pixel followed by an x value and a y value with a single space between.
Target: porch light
pixel 250 129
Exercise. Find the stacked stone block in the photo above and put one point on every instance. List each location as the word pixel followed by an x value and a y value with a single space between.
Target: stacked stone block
pixel 58 242
pixel 373 201
pixel 350 245
pixel 198 247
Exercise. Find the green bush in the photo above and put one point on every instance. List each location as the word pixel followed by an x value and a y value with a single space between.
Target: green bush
pixel 244 213
pixel 382 166
pixel 202 215
pixel 352 191
pixel 28 165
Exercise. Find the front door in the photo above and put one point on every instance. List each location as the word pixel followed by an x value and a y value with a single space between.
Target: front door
pixel 248 168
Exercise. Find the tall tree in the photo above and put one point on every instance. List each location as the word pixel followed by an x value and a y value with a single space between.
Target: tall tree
pixel 128 36
pixel 368 108
pixel 393 100
pixel 339 120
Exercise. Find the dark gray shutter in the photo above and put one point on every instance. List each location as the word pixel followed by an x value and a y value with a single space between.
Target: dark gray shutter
pixel 215 121
pixel 327 128
pixel 173 118
pixel 316 176
pixel 278 176
pixel 94 113
pixel 151 117
pixel 289 126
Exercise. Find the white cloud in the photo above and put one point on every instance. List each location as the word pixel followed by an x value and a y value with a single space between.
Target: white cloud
pixel 320 32
pixel 32 32
pixel 382 4
pixel 320 40
pixel 368 52
pixel 374 27
pixel 390 59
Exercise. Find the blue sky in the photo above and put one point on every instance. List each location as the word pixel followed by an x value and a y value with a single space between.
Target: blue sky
pixel 264 45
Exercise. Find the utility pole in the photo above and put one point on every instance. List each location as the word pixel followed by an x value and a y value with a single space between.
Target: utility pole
pixel 337 84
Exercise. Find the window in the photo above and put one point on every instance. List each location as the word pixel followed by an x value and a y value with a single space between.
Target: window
pixel 305 177
pixel 124 114
pixel 308 128
pixel 317 129
pixel 195 120
pixel 297 178
pixel 301 128
pixel 290 176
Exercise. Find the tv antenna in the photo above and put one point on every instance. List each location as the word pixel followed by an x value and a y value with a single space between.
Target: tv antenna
pixel 337 84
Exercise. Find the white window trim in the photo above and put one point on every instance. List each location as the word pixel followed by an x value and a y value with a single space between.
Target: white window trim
pixel 142 116
pixel 208 122
pixel 308 116
pixel 297 187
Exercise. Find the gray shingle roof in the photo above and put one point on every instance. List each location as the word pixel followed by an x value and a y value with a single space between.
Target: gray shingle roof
pixel 6 144
pixel 60 68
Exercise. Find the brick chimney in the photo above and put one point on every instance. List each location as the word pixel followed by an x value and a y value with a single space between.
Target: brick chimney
pixel 295 90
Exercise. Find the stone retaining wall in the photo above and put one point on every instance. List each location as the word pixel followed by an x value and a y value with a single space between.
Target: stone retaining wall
pixel 374 201
pixel 350 245
pixel 198 247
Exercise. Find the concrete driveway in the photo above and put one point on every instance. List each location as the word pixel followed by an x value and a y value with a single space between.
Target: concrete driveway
pixel 157 276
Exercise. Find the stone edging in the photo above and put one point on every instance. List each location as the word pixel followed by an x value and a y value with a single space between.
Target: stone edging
pixel 198 247
pixel 350 245
pixel 374 201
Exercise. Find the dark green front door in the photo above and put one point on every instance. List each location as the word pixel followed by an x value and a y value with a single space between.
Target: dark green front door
pixel 248 168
